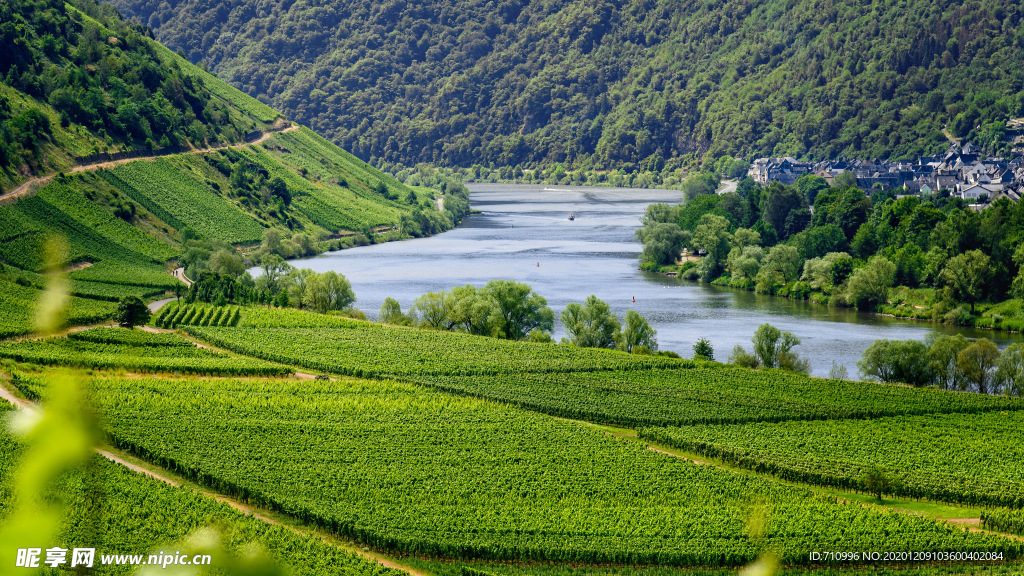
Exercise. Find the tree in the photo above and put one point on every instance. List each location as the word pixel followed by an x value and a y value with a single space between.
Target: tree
pixel 592 325
pixel 942 357
pixel 896 361
pixel 702 350
pixel 132 312
pixel 741 357
pixel 637 333
pixel 773 347
pixel 391 313
pixel 432 309
pixel 781 201
pixel 328 291
pixel 869 286
pixel 876 481
pixel 470 310
pixel 968 274
pixel 1009 378
pixel 520 309
pixel 274 267
pixel 662 242
pixel 977 362
pixel 712 236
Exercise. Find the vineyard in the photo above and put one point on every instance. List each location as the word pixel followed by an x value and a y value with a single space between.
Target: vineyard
pixel 170 193
pixel 367 349
pixel 411 471
pixel 965 458
pixel 708 395
pixel 18 302
pixel 1004 520
pixel 106 351
pixel 139 515
pixel 178 314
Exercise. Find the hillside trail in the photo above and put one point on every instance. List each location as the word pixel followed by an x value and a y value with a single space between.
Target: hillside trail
pixel 154 472
pixel 30 185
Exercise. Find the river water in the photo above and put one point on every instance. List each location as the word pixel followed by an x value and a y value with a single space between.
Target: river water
pixel 523 233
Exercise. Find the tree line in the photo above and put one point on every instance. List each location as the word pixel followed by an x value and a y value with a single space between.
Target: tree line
pixel 947 362
pixel 512 310
pixel 852 249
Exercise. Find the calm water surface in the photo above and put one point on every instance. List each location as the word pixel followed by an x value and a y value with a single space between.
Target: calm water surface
pixel 523 234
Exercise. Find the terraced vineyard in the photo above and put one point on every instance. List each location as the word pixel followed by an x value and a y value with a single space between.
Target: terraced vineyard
pixel 709 394
pixel 412 471
pixel 176 198
pixel 965 458
pixel 103 349
pixel 139 515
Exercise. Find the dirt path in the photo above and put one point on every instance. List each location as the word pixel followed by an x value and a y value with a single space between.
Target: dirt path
pixel 155 473
pixel 30 185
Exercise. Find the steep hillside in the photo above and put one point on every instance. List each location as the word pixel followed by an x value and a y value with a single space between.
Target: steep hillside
pixel 607 84
pixel 143 162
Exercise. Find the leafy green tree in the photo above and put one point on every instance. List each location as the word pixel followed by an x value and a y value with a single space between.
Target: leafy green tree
pixel 520 309
pixel 742 358
pixel 712 236
pixel 328 291
pixel 869 286
pixel 896 361
pixel 227 262
pixel 470 310
pixel 592 325
pixel 132 312
pixel 662 242
pixel 432 310
pixel 943 352
pixel 702 350
pixel 773 347
pixel 637 333
pixel 1009 377
pixel 878 482
pixel 968 274
pixel 780 203
pixel 977 362
pixel 391 313
pixel 810 186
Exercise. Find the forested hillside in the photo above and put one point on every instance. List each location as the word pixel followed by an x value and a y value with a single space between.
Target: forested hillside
pixel 141 162
pixel 603 84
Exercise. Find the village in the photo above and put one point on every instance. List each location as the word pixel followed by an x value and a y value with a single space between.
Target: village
pixel 963 170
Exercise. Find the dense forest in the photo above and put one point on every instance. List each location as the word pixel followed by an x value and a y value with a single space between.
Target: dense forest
pixel 601 84
pixel 923 257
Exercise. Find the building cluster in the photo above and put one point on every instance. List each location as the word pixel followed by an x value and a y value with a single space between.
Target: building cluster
pixel 962 170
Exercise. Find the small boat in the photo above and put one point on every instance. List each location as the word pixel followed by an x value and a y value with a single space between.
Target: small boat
pixel 572 216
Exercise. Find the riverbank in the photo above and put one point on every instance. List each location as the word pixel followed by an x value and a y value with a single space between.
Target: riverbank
pixel 917 304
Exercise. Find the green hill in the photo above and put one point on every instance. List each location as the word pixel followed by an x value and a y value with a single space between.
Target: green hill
pixel 605 84
pixel 141 161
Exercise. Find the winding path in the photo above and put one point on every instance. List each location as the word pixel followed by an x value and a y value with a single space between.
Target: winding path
pixel 34 183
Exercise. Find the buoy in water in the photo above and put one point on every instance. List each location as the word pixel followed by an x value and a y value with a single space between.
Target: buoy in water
pixel 634 299
pixel 538 264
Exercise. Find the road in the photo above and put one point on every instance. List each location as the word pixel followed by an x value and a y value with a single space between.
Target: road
pixel 30 185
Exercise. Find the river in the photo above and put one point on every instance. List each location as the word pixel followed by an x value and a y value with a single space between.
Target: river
pixel 523 233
